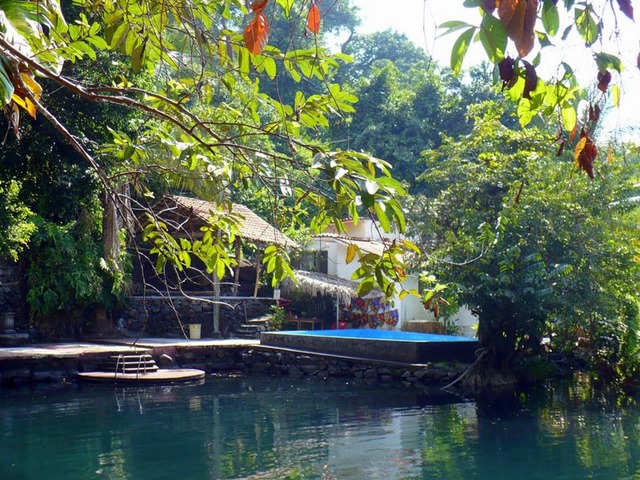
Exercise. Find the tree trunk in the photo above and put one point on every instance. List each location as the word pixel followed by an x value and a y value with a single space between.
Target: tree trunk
pixel 496 352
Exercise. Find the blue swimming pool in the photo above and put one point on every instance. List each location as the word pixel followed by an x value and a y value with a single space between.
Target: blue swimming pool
pixel 374 334
pixel 381 345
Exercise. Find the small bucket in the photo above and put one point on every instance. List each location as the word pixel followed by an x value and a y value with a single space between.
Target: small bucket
pixel 8 322
pixel 195 330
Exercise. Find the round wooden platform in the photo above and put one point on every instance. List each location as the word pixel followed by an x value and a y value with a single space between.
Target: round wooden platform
pixel 175 375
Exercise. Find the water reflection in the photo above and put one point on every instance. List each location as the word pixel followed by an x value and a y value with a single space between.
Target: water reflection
pixel 282 428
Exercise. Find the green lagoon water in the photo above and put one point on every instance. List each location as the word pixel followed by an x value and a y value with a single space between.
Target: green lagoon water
pixel 277 428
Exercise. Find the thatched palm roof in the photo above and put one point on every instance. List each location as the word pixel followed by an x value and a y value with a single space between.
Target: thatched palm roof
pixel 252 227
pixel 314 283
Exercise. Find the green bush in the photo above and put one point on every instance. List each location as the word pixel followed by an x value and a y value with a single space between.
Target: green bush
pixel 16 221
pixel 67 276
pixel 276 318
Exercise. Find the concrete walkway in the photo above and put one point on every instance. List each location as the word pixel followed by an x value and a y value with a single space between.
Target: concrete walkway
pixel 63 350
pixel 111 346
pixel 181 342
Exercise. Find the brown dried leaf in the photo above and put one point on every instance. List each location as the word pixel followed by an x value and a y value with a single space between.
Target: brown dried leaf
pixel 527 40
pixel 626 8
pixel 507 10
pixel 603 80
pixel 530 79
pixel 519 18
pixel 313 19
pixel 573 132
pixel 517 199
pixel 585 155
pixel 12 114
pixel 258 6
pixel 507 69
pixel 489 6
pixel 256 35
pixel 400 272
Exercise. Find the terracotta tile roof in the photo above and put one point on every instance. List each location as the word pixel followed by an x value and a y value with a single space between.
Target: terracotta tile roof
pixel 370 246
pixel 252 228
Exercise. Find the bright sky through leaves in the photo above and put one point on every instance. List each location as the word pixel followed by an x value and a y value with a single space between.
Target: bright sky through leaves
pixel 418 19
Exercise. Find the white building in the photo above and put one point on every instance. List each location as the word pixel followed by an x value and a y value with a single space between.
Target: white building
pixel 329 257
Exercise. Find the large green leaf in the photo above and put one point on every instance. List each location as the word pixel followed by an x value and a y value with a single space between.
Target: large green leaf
pixel 459 50
pixel 6 87
pixel 493 37
pixel 587 26
pixel 550 17
pixel 606 61
pixel 453 26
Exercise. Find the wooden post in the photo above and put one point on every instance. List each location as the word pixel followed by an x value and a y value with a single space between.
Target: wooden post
pixel 216 302
pixel 236 278
pixel 216 284
pixel 258 263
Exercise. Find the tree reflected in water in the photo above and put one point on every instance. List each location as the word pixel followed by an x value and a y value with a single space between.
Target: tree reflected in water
pixel 299 429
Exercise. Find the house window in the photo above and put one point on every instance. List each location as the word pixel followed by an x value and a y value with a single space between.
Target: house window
pixel 322 262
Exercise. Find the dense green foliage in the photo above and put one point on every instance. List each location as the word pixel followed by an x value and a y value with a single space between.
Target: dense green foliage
pixel 51 195
pixel 15 221
pixel 534 250
pixel 158 97
pixel 197 119
pixel 406 102
pixel 68 276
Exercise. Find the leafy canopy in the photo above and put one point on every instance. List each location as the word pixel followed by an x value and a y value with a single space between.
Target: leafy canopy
pixel 193 71
pixel 517 36
pixel 530 249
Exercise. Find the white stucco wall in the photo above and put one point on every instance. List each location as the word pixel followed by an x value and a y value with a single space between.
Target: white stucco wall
pixel 345 270
pixel 365 228
pixel 466 322
pixel 410 307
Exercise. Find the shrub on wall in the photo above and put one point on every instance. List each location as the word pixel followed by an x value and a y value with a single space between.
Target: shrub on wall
pixel 16 221
pixel 67 277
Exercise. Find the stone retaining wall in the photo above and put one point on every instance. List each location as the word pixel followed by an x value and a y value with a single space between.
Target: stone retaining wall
pixel 239 360
pixel 12 297
pixel 61 370
pixel 156 315
pixel 57 372
pixel 258 360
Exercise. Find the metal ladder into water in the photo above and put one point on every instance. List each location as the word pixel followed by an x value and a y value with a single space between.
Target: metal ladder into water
pixel 137 363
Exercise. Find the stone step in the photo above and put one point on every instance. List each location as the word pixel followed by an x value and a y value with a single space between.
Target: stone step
pixel 259 321
pixel 254 328
pixel 249 331
pixel 130 357
pixel 136 369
